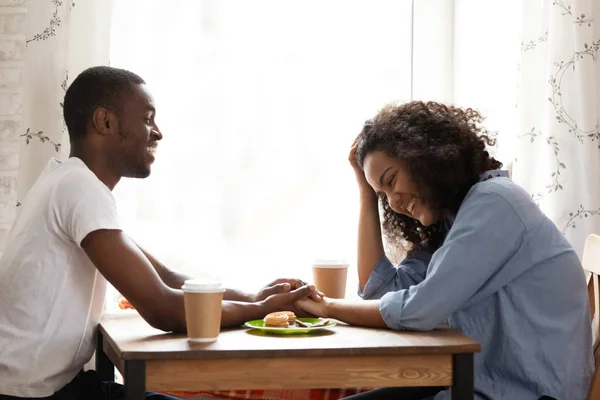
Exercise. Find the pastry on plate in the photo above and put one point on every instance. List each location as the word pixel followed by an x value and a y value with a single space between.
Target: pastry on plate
pixel 277 320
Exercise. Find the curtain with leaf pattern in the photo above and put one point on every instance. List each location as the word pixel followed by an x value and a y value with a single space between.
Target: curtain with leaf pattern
pixel 43 44
pixel 558 145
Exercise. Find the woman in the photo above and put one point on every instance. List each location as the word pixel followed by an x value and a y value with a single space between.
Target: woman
pixel 481 257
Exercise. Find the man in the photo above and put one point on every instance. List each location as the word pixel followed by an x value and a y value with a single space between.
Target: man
pixel 67 240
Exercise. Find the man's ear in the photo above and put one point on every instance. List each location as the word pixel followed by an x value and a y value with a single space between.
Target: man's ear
pixel 104 121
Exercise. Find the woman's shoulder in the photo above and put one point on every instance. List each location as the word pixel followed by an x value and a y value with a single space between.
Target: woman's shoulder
pixel 503 197
pixel 503 188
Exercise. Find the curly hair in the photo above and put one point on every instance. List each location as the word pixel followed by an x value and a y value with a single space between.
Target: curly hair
pixel 443 149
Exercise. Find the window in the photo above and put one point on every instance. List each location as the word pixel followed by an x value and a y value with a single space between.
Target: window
pixel 259 102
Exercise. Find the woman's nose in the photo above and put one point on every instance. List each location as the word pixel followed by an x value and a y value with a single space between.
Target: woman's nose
pixel 395 201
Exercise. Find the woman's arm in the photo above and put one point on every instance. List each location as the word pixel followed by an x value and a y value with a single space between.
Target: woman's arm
pixel 370 244
pixel 353 312
pixel 356 312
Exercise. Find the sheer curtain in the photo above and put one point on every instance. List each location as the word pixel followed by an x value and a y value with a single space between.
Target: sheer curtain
pixel 41 44
pixel 63 39
pixel 258 103
pixel 559 109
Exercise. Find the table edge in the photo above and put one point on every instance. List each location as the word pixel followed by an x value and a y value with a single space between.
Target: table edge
pixel 472 347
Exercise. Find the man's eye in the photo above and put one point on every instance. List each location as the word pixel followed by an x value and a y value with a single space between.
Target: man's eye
pixel 148 120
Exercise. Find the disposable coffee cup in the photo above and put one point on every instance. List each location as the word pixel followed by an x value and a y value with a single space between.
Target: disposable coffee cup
pixel 203 300
pixel 329 276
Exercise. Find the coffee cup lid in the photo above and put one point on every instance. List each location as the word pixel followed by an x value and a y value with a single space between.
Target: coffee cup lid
pixel 202 286
pixel 330 263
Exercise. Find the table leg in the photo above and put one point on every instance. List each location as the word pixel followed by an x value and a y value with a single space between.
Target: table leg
pixel 135 380
pixel 104 367
pixel 462 376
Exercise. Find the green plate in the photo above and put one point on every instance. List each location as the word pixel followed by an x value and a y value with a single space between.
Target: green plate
pixel 259 324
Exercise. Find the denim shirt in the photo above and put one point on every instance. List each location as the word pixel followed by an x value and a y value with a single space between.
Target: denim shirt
pixel 506 277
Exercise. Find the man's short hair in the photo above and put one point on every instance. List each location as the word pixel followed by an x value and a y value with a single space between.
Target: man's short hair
pixel 95 87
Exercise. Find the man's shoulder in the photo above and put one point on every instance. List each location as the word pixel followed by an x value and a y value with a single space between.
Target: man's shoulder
pixel 65 184
pixel 72 174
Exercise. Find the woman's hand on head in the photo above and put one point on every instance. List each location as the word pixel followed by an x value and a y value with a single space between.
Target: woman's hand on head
pixel 363 185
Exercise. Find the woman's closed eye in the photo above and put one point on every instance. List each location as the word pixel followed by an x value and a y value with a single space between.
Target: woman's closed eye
pixel 392 180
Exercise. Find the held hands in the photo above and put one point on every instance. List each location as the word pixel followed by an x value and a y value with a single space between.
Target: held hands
pixel 285 285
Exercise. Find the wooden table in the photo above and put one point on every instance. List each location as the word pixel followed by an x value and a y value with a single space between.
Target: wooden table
pixel 342 357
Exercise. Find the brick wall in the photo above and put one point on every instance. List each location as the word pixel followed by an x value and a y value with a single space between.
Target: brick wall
pixel 12 55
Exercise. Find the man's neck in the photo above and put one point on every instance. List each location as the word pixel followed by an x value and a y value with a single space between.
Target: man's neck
pixel 97 164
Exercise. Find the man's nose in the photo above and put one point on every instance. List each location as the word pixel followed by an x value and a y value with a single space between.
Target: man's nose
pixel 157 133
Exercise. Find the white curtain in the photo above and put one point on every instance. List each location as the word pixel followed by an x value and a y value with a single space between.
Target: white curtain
pixel 12 55
pixel 558 154
pixel 63 38
pixel 42 42
pixel 258 103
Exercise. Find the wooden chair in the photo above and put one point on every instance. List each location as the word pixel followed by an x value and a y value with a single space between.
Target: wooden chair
pixel 591 263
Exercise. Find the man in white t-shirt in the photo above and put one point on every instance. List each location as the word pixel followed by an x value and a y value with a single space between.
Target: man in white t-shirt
pixel 67 241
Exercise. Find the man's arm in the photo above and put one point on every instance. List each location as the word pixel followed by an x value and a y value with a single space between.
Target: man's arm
pixel 170 278
pixel 176 280
pixel 126 267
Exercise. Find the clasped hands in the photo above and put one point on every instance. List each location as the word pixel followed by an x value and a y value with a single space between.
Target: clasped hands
pixel 293 295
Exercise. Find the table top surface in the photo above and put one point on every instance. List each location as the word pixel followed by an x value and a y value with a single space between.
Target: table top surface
pixel 133 339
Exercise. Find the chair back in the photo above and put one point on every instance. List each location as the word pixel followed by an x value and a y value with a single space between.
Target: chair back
pixel 591 263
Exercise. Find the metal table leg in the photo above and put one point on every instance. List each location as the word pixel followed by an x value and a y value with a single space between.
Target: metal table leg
pixel 104 367
pixel 135 380
pixel 462 376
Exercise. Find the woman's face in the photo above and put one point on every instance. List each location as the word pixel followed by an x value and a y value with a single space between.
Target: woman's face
pixel 387 177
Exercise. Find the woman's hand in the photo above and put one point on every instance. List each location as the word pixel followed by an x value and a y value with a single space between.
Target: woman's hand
pixel 318 309
pixel 363 185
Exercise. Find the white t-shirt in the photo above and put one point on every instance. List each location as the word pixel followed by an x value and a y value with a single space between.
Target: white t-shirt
pixel 51 294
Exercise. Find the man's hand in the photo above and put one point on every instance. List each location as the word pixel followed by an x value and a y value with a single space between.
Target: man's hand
pixel 284 285
pixel 314 308
pixel 288 301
